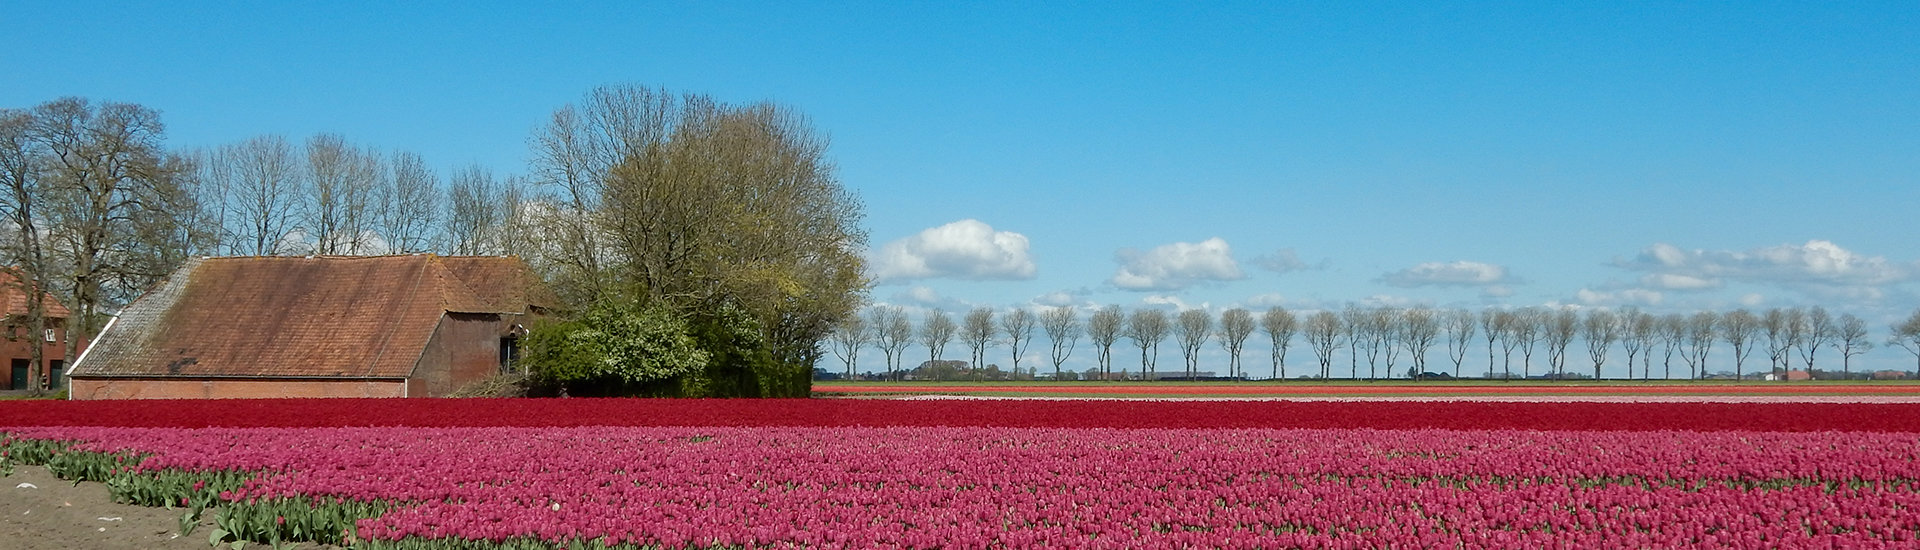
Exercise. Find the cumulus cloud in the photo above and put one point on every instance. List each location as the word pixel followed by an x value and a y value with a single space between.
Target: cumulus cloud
pixel 1675 281
pixel 966 249
pixel 1284 260
pixel 1622 297
pixel 1176 266
pixel 1173 301
pixel 1817 261
pixel 1459 273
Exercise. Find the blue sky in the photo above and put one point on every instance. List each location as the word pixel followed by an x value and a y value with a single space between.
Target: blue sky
pixel 1670 156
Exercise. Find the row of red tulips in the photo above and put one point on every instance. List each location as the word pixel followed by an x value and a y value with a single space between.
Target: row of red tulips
pixel 1868 417
pixel 971 487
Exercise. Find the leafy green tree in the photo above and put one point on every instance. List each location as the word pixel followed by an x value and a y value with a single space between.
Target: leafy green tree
pixel 610 349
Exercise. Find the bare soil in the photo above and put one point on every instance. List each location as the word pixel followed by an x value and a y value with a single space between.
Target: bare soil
pixel 54 514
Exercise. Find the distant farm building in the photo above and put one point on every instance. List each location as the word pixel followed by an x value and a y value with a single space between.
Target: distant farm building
pixel 18 346
pixel 327 326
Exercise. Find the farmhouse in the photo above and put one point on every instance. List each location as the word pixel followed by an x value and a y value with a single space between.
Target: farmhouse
pixel 19 342
pixel 325 326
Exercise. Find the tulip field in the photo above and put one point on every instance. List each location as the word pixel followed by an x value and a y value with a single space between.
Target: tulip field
pixel 998 474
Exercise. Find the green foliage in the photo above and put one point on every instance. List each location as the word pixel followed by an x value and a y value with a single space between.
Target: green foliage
pixel 612 346
pixel 744 363
pixel 719 350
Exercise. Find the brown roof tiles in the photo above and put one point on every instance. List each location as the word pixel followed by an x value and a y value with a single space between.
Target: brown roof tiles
pixel 326 316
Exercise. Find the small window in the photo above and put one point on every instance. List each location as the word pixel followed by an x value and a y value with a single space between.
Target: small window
pixel 51 335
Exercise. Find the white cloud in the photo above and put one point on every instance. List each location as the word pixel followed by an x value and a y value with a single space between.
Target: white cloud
pixel 1270 299
pixel 1284 260
pixel 1675 281
pixel 1752 300
pixel 1389 300
pixel 919 299
pixel 1169 300
pixel 1459 273
pixel 1176 266
pixel 1057 298
pixel 966 249
pixel 1817 261
pixel 1496 291
pixel 1629 296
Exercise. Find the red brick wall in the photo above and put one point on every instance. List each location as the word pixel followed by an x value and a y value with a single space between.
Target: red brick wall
pixel 17 345
pixel 114 388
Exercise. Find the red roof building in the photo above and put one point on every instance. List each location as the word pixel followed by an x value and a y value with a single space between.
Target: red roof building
pixel 326 326
pixel 18 345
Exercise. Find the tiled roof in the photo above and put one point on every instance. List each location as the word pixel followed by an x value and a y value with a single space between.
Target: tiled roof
pixel 326 316
pixel 16 298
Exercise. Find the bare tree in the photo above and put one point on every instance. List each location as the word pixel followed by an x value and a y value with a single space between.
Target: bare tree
pixel 22 181
pixel 1280 325
pixel 978 331
pixel 1777 325
pixel 1600 329
pixel 1493 324
pixel 1420 326
pixel 1739 327
pixel 340 180
pixel 573 155
pixel 1820 331
pixel 1192 328
pixel 1147 327
pixel 1063 331
pixel 1638 331
pixel 1528 327
pixel 1357 327
pixel 1702 332
pixel 100 161
pixel 1459 326
pixel 1104 328
pixel 1906 335
pixel 849 335
pixel 1388 332
pixel 1323 334
pixel 1851 336
pixel 265 192
pixel 1017 327
pixel 1793 335
pixel 472 210
pixel 935 332
pixel 1560 327
pixel 893 333
pixel 1235 326
pixel 1673 333
pixel 407 207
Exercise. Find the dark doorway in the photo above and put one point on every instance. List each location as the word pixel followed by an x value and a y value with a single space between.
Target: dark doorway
pixel 509 354
pixel 18 381
pixel 56 377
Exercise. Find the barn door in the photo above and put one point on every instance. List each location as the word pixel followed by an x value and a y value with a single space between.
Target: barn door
pixel 18 381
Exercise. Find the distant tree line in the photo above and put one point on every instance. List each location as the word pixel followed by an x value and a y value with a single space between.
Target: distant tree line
pixel 714 228
pixel 1389 338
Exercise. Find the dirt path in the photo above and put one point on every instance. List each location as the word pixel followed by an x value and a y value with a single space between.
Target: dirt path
pixel 53 514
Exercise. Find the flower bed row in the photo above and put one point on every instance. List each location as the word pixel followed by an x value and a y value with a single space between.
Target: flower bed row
pixel 1864 417
pixel 972 487
pixel 1383 388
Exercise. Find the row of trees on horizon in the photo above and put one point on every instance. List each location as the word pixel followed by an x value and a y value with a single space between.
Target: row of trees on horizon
pixel 1384 336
